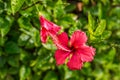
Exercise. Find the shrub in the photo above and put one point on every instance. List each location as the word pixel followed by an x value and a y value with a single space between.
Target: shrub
pixel 24 57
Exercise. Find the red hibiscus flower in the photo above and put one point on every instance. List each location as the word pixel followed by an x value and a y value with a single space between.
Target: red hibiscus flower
pixel 47 28
pixel 77 53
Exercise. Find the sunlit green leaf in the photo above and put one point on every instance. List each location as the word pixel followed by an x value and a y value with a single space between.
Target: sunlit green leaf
pixel 16 5
pixel 101 27
pixel 24 72
pixel 100 14
pixel 23 39
pixel 58 9
pixel 3 72
pixel 91 23
pixel 5 25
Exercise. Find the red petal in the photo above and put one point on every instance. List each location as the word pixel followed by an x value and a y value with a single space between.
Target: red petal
pixel 86 53
pixel 61 56
pixel 63 38
pixel 61 41
pixel 49 25
pixel 75 63
pixel 43 35
pixel 78 38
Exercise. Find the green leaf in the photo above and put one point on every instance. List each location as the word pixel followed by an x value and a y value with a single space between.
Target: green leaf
pixel 5 25
pixel 24 72
pixel 66 21
pixel 74 78
pixel 95 39
pixel 85 1
pixel 11 48
pixel 13 70
pixel 1 51
pixel 23 39
pixel 1 7
pixel 37 39
pixel 105 1
pixel 35 36
pixel 2 40
pixel 106 34
pixel 70 7
pixel 30 44
pixel 101 27
pixel 111 54
pixel 2 22
pixel 25 56
pixel 72 29
pixel 115 11
pixel 58 9
pixel 24 23
pixel 2 61
pixel 49 45
pixel 13 61
pixel 43 56
pixel 3 72
pixel 91 23
pixel 100 15
pixel 51 76
pixel 16 5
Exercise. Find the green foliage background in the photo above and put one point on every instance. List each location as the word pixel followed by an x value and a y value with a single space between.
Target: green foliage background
pixel 24 57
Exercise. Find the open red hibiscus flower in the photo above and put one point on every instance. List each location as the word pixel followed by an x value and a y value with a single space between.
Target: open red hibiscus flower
pixel 77 53
pixel 47 28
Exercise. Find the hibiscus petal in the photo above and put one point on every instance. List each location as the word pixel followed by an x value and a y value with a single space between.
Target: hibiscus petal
pixel 61 41
pixel 75 63
pixel 78 38
pixel 63 38
pixel 86 53
pixel 61 56
pixel 49 25
pixel 43 35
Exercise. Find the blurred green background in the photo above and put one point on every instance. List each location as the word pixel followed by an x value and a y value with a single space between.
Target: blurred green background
pixel 24 57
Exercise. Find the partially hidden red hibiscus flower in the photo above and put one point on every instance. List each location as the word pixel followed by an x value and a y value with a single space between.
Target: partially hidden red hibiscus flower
pixel 47 28
pixel 77 53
